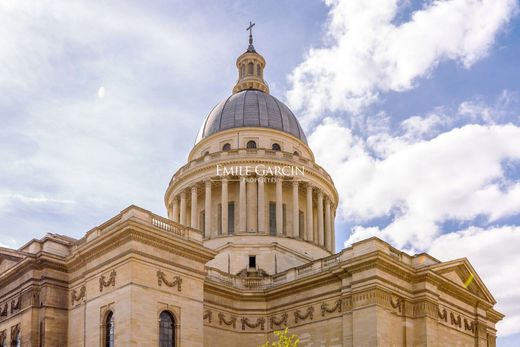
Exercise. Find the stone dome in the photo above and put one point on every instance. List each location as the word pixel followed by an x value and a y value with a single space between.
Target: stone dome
pixel 251 108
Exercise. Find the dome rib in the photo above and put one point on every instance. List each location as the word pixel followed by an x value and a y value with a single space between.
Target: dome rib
pixel 251 108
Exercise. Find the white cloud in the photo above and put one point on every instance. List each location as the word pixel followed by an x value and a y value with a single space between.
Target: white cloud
pixel 422 182
pixel 494 254
pixel 368 52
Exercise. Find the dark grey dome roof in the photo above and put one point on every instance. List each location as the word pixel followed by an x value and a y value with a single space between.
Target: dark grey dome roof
pixel 251 108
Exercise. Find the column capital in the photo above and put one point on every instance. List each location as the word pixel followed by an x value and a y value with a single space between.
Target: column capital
pixel 320 193
pixel 207 183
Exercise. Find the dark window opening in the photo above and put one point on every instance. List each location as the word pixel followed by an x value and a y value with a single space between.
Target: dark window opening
pixel 166 330
pixel 276 147
pixel 250 68
pixel 226 147
pixel 301 225
pixel 231 218
pixel 272 218
pixel 109 330
pixel 252 261
pixel 202 223
pixel 251 144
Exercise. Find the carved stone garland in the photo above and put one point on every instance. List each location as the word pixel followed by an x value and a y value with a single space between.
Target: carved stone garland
pixel 207 315
pixel 3 312
pixel 230 322
pixel 454 321
pixel 260 322
pixel 443 315
pixel 15 305
pixel 278 322
pixel 325 308
pixel 77 296
pixel 299 316
pixel 111 281
pixel 177 280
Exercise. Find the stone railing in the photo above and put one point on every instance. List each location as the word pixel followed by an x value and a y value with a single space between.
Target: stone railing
pixel 144 216
pixel 250 153
pixel 262 283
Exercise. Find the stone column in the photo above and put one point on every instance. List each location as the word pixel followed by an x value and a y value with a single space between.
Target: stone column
pixel 183 208
pixel 328 231
pixel 279 206
pixel 261 205
pixel 207 210
pixel 224 203
pixel 242 206
pixel 175 210
pixel 320 218
pixel 295 211
pixel 308 230
pixel 194 208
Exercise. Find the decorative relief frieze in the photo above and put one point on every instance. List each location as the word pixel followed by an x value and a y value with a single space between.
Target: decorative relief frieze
pixel 176 281
pixel 274 322
pixel 469 326
pixel 78 295
pixel 103 283
pixel 443 315
pixel 4 310
pixel 208 315
pixel 260 322
pixel 455 321
pixel 36 296
pixel 15 305
pixel 397 303
pixel 347 304
pixel 299 316
pixel 231 322
pixel 326 309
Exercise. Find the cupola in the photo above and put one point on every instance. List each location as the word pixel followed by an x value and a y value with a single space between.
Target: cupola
pixel 250 67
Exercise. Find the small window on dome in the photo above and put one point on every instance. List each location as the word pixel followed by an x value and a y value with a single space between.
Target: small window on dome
pixel 251 144
pixel 296 153
pixel 250 68
pixel 242 70
pixel 206 153
pixel 226 147
pixel 258 70
pixel 276 147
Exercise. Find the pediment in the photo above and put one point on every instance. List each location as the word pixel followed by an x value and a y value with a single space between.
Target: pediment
pixel 461 273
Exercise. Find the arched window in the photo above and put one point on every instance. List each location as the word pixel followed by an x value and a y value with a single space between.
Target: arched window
pixel 296 153
pixel 258 70
pixel 109 330
pixel 242 70
pixel 226 147
pixel 276 147
pixel 17 339
pixel 250 68
pixel 251 144
pixel 166 330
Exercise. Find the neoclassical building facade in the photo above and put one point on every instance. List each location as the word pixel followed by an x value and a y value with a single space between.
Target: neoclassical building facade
pixel 248 248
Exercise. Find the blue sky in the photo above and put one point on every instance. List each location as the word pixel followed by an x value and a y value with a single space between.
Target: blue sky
pixel 412 106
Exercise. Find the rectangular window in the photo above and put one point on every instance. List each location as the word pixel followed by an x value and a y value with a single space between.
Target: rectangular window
pixel 231 218
pixel 252 261
pixel 272 218
pixel 284 219
pixel 202 223
pixel 301 226
pixel 220 219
